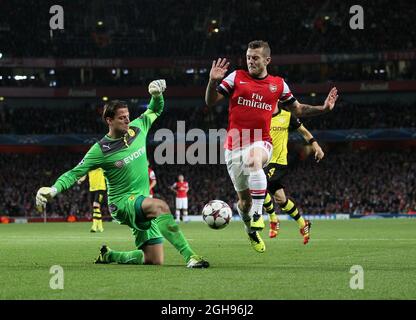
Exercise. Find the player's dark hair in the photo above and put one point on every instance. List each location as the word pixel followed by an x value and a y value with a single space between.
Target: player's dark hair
pixel 111 108
pixel 260 44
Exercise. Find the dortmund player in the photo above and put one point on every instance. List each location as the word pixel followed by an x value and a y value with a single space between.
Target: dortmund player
pixel 97 189
pixel 121 153
pixel 281 123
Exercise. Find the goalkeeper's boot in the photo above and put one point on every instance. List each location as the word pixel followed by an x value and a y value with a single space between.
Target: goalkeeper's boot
pixel 103 256
pixel 257 222
pixel 257 242
pixel 305 231
pixel 197 262
pixel 274 226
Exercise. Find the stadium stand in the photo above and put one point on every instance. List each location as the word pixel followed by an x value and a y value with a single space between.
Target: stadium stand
pixel 127 28
pixel 312 50
pixel 354 182
pixel 50 120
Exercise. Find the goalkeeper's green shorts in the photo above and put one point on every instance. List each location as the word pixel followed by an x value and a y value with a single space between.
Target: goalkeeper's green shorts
pixel 129 211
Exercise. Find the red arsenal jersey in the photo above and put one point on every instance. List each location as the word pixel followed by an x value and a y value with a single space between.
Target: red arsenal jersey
pixel 252 102
pixel 181 189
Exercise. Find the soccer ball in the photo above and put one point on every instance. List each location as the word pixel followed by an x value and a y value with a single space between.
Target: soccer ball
pixel 217 214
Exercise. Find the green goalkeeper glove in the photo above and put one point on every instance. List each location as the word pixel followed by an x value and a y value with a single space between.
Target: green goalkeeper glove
pixel 43 195
pixel 156 87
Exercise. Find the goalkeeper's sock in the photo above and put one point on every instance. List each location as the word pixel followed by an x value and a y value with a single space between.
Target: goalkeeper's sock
pixel 170 230
pixel 269 205
pixel 290 208
pixel 126 257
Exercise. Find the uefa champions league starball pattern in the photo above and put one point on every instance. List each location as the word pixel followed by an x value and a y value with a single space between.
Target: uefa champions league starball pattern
pixel 217 214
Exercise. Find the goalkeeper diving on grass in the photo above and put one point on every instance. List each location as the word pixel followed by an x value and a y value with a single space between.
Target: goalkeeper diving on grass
pixel 121 153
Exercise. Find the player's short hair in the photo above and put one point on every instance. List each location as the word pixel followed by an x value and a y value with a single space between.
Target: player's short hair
pixel 111 108
pixel 260 44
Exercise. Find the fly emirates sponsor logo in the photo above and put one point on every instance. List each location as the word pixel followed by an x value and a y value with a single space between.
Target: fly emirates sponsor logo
pixel 254 102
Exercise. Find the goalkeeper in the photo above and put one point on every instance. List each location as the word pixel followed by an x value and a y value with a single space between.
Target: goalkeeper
pixel 121 153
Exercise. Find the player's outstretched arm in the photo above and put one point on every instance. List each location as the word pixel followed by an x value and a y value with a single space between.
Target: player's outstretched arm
pixel 307 135
pixel 218 70
pixel 306 110
pixel 92 160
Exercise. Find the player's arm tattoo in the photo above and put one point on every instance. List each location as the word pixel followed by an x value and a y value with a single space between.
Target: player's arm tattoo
pixel 212 97
pixel 305 110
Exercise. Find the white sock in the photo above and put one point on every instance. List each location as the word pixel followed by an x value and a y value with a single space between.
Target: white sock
pixel 257 182
pixel 178 215
pixel 246 218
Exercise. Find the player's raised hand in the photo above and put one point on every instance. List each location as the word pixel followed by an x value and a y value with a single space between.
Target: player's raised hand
pixel 43 195
pixel 331 99
pixel 157 87
pixel 219 69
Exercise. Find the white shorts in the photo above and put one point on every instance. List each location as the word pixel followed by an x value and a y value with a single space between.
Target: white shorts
pixel 182 203
pixel 236 163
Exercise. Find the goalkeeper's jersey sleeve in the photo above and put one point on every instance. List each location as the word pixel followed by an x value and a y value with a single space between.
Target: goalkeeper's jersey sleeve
pixel 92 160
pixel 154 110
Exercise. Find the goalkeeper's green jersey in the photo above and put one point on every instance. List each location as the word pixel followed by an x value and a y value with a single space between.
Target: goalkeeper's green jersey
pixel 123 160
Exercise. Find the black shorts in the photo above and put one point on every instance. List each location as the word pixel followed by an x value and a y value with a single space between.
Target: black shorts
pixel 98 196
pixel 275 174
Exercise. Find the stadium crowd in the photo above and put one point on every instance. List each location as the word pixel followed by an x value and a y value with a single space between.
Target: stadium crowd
pixel 355 182
pixel 185 77
pixel 200 28
pixel 49 120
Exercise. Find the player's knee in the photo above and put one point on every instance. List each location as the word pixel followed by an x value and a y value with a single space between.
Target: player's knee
pixel 280 200
pixel 163 207
pixel 254 163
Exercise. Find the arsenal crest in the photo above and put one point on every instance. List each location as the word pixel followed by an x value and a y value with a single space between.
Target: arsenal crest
pixel 273 88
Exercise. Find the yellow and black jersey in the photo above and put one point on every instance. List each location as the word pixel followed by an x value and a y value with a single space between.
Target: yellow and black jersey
pixel 282 122
pixel 97 180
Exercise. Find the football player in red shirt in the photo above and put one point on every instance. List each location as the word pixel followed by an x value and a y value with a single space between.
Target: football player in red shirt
pixel 181 188
pixel 253 96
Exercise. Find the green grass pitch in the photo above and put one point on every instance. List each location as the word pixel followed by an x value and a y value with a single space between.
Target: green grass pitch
pixel 386 249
